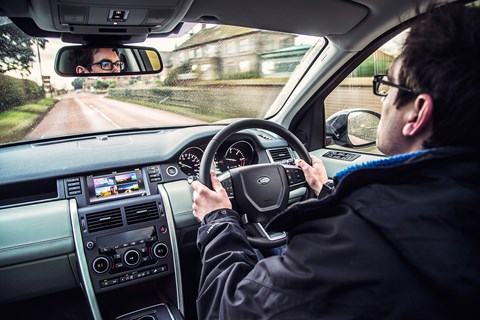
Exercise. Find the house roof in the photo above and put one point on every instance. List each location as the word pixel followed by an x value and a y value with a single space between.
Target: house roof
pixel 214 35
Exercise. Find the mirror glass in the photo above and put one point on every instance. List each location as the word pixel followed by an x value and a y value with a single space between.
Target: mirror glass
pixel 362 128
pixel 84 61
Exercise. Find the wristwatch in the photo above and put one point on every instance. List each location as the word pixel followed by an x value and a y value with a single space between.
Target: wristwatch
pixel 327 189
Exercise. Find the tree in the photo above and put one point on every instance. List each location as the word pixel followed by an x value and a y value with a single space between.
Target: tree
pixel 77 83
pixel 16 52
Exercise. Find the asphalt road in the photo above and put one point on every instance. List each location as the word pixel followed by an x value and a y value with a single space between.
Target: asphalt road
pixel 85 112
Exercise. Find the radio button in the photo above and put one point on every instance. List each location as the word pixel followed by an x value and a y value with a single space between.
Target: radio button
pixel 131 257
pixel 101 265
pixel 160 250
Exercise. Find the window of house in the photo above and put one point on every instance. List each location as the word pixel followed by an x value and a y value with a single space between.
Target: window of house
pixel 191 54
pixel 244 45
pixel 244 66
pixel 355 92
pixel 198 52
pixel 231 47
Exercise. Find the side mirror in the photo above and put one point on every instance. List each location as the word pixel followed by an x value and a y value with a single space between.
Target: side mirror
pixel 86 61
pixel 353 128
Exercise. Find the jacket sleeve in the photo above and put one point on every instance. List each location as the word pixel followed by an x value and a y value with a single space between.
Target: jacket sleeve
pixel 233 283
pixel 227 258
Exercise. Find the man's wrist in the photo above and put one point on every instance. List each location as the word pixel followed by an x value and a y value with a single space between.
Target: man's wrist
pixel 328 188
pixel 220 214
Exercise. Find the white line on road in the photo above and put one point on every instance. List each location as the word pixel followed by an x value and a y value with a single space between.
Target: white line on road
pixel 104 116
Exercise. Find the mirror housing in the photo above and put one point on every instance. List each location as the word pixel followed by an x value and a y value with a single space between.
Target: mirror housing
pixel 86 61
pixel 353 128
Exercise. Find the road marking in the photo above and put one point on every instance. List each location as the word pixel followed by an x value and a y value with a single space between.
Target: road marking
pixel 104 116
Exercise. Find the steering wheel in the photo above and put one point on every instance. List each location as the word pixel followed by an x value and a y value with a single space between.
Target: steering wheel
pixel 260 191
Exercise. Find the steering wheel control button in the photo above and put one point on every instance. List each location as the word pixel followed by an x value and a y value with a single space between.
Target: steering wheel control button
pixel 101 265
pixel 160 250
pixel 131 257
pixel 227 185
pixel 294 175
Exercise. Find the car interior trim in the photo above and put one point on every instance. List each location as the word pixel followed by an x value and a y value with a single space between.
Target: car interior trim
pixel 176 255
pixel 41 242
pixel 82 261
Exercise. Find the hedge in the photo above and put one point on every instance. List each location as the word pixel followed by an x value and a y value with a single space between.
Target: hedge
pixel 15 92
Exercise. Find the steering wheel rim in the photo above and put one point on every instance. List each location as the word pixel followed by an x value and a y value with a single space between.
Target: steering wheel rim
pixel 224 134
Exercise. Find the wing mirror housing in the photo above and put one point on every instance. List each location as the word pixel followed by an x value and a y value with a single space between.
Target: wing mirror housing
pixel 87 61
pixel 353 128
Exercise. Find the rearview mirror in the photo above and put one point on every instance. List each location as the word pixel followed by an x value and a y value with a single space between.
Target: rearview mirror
pixel 86 61
pixel 353 128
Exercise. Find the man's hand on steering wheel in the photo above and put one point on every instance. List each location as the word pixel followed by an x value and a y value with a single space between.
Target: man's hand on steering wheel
pixel 315 174
pixel 206 200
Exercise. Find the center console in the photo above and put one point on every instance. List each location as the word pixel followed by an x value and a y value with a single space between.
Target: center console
pixel 126 245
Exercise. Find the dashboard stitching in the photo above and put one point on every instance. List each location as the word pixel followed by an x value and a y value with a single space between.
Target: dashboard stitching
pixel 37 243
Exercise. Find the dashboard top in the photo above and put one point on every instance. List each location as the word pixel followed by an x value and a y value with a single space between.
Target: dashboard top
pixel 84 155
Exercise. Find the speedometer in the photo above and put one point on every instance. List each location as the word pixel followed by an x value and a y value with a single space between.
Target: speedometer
pixel 238 154
pixel 189 161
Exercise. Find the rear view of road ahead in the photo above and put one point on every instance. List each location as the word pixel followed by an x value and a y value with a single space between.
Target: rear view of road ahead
pixel 84 112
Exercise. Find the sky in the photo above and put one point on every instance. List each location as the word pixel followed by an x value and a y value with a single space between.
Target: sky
pixel 47 56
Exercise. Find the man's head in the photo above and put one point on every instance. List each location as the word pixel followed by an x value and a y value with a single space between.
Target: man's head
pixel 439 63
pixel 98 60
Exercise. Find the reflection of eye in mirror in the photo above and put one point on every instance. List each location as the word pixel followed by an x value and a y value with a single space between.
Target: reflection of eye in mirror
pixel 362 127
pixel 102 61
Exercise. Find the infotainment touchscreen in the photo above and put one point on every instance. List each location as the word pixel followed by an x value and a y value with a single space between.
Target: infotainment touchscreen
pixel 115 185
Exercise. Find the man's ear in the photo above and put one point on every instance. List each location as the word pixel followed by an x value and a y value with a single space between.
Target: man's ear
pixel 421 117
pixel 81 69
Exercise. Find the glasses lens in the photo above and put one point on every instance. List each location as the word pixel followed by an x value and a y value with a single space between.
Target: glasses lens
pixel 106 65
pixel 382 88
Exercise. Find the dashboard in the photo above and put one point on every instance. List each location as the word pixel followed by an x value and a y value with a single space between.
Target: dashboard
pixel 115 207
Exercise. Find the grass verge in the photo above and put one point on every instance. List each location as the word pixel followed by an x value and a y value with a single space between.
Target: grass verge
pixel 210 117
pixel 15 123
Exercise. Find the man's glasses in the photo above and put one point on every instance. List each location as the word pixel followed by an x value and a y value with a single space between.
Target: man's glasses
pixel 108 65
pixel 381 85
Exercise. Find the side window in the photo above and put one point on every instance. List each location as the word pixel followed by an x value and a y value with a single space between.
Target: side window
pixel 352 110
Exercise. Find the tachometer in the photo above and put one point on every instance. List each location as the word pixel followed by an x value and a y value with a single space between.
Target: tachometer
pixel 238 154
pixel 189 161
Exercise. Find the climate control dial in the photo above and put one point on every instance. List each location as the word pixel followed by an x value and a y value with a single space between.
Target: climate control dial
pixel 101 264
pixel 160 250
pixel 132 257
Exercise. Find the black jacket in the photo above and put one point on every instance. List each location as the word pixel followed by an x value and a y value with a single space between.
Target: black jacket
pixel 395 241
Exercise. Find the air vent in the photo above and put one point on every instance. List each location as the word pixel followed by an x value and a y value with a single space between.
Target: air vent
pixel 104 220
pixel 142 212
pixel 282 155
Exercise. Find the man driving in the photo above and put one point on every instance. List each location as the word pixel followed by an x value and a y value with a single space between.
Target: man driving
pixel 399 237
pixel 98 60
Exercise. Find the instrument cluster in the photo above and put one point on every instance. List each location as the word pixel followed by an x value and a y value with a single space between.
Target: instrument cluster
pixel 228 156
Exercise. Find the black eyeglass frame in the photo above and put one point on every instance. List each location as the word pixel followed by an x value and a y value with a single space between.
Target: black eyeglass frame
pixel 117 63
pixel 377 79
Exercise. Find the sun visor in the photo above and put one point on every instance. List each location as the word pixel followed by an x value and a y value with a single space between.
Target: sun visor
pixel 323 17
